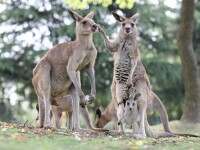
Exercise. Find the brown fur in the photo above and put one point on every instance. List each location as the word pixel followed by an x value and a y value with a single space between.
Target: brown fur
pixel 102 117
pixel 56 74
pixel 59 117
pixel 59 108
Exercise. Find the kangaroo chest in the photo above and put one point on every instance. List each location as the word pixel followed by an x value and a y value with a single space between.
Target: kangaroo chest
pixel 60 82
pixel 131 116
pixel 84 60
pixel 122 62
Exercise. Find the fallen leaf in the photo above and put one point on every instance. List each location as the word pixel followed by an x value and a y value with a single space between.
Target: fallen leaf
pixel 13 136
pixel 4 130
pixel 22 137
pixel 40 131
pixel 77 138
pixel 22 130
pixel 139 143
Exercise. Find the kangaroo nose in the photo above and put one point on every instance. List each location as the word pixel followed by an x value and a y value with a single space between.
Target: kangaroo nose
pixel 130 108
pixel 127 29
pixel 94 26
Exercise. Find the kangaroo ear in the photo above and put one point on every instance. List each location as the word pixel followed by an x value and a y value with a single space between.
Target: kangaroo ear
pixel 90 15
pixel 118 17
pixel 135 17
pixel 137 96
pixel 75 16
pixel 98 112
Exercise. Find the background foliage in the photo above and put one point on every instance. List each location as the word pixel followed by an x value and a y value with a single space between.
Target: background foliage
pixel 29 28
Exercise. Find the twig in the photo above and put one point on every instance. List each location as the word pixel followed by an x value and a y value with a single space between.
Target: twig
pixel 25 123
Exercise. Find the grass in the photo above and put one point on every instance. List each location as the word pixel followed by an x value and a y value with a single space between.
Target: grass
pixel 14 137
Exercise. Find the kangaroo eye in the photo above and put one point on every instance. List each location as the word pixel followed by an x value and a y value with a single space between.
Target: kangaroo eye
pixel 123 24
pixel 133 104
pixel 128 103
pixel 84 22
pixel 132 24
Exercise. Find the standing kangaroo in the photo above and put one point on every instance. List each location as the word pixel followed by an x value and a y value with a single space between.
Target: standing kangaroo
pixel 149 100
pixel 56 74
pixel 126 56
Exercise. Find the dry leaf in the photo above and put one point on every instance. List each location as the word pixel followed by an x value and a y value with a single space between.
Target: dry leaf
pixel 22 137
pixel 13 136
pixel 139 143
pixel 22 130
pixel 77 138
pixel 4 130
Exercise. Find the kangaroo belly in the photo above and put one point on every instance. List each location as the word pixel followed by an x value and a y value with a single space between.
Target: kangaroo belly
pixel 122 71
pixel 131 118
pixel 122 57
pixel 60 83
pixel 66 103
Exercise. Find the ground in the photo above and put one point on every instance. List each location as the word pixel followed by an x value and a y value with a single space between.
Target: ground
pixel 16 137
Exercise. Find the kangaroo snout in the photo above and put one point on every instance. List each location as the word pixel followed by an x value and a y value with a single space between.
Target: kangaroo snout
pixel 128 29
pixel 94 27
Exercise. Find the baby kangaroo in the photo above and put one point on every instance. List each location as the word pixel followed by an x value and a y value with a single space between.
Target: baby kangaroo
pixel 131 113
pixel 58 110
pixel 56 74
pixel 60 106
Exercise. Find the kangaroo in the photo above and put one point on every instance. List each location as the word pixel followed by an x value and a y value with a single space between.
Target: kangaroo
pixel 126 56
pixel 59 108
pixel 102 117
pixel 56 74
pixel 62 105
pixel 131 114
pixel 149 100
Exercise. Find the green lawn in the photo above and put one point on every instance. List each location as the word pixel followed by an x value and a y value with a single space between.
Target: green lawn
pixel 13 137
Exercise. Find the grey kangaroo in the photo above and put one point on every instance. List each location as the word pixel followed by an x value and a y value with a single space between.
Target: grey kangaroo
pixel 56 74
pixel 126 67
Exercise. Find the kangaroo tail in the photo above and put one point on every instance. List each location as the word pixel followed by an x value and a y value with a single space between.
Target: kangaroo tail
pixel 152 134
pixel 159 107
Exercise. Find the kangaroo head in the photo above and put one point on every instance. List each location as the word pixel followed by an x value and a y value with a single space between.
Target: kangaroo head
pixel 131 103
pixel 128 25
pixel 100 120
pixel 84 25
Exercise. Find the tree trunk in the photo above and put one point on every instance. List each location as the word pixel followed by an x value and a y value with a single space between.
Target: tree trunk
pixel 191 112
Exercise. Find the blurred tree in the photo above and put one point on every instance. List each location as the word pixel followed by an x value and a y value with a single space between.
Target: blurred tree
pixel 191 111
pixel 80 4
